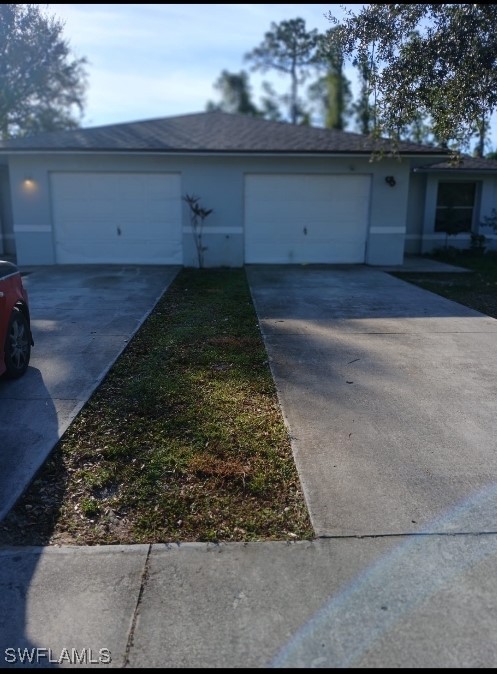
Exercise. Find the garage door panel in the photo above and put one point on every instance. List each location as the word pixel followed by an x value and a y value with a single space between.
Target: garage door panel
pixel 306 218
pixel 117 218
pixel 331 253
pixel 81 252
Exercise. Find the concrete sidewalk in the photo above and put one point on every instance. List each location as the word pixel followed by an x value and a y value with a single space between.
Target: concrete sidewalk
pixel 348 602
pixel 389 395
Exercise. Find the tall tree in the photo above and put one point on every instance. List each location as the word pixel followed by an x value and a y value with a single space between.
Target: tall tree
pixel 289 48
pixel 333 96
pixel 482 129
pixel 434 60
pixel 420 131
pixel 41 85
pixel 332 89
pixel 235 94
pixel 417 131
pixel 362 106
pixel 270 108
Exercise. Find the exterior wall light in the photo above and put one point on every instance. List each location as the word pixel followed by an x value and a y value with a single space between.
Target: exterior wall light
pixel 28 183
pixel 390 180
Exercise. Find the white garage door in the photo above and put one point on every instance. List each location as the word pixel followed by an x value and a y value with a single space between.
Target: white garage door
pixel 130 218
pixel 306 218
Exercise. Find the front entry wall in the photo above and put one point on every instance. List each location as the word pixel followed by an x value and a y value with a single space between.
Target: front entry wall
pixel 129 209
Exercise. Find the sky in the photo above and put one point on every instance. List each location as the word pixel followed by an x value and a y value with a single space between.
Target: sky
pixel 160 60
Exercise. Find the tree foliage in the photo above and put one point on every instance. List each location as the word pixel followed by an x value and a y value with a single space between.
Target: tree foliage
pixel 434 61
pixel 482 129
pixel 331 91
pixel 289 48
pixel 235 94
pixel 362 106
pixel 269 104
pixel 41 85
pixel 332 94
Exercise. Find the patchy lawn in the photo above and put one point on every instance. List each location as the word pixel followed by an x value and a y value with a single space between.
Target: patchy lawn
pixel 183 441
pixel 477 290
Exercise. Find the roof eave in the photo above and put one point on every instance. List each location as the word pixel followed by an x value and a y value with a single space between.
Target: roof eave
pixel 455 169
pixel 236 153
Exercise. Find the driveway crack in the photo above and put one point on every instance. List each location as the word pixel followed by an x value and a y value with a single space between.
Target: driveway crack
pixel 143 583
pixel 408 533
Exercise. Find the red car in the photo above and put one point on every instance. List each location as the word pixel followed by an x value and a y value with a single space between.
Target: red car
pixel 15 325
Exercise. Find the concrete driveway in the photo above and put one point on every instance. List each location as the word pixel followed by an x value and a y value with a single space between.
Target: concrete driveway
pixel 82 318
pixel 390 394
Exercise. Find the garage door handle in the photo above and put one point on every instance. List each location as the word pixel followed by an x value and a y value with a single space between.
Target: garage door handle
pixel 118 231
pixel 305 231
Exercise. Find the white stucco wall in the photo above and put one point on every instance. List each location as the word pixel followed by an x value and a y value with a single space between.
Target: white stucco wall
pixel 488 204
pixel 415 214
pixel 219 182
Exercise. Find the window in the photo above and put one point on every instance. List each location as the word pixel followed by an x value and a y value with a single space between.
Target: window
pixel 455 206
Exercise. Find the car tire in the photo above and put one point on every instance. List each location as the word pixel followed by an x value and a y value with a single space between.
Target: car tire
pixel 17 345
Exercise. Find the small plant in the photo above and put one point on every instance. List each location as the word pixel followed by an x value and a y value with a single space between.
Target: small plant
pixel 452 226
pixel 446 253
pixel 197 216
pixel 478 241
pixel 490 220
pixel 477 245
pixel 89 507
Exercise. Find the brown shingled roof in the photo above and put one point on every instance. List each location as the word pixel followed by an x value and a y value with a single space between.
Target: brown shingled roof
pixel 216 132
